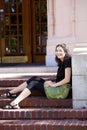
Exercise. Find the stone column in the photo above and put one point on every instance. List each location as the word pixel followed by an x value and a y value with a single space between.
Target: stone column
pixel 81 21
pixel 79 76
pixel 79 59
pixel 60 26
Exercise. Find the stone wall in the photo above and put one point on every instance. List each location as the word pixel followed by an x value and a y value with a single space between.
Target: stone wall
pixel 67 23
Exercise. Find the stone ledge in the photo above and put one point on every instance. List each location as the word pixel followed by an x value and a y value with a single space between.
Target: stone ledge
pixel 43 125
pixel 40 102
pixel 44 113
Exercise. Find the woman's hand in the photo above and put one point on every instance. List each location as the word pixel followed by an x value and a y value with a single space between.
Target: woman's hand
pixel 49 83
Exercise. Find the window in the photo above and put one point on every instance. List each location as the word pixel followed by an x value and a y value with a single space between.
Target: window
pixel 13 27
pixel 1 23
pixel 40 26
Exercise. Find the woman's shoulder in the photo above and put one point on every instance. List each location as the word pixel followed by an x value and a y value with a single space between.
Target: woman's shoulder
pixel 68 58
pixel 67 61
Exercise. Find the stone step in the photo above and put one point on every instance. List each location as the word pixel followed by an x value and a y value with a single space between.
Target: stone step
pixel 43 113
pixel 39 102
pixel 43 125
pixel 15 81
pixel 27 70
pixel 5 89
pixel 9 83
pixel 34 92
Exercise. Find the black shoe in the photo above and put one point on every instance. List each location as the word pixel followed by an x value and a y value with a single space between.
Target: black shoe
pixel 8 95
pixel 11 107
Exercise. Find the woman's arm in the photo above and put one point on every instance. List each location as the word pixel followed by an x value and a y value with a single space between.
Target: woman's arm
pixel 62 82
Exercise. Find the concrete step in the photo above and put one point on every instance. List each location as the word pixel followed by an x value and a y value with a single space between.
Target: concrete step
pixel 43 125
pixel 43 114
pixel 40 102
pixel 28 70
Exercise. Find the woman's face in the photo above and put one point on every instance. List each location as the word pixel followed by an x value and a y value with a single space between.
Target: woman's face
pixel 60 53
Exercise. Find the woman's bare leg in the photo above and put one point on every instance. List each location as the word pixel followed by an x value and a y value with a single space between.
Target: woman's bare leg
pixel 25 93
pixel 19 88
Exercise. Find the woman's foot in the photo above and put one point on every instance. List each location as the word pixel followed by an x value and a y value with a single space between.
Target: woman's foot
pixel 12 107
pixel 7 95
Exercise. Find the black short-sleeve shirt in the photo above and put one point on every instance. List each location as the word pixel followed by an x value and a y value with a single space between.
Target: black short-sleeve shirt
pixel 61 69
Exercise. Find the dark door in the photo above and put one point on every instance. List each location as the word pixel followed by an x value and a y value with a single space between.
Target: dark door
pixel 24 29
pixel 39 27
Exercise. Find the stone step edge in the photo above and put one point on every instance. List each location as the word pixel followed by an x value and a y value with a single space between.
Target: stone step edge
pixel 7 88
pixel 33 94
pixel 6 82
pixel 25 77
pixel 27 70
pixel 43 113
pixel 40 102
pixel 43 124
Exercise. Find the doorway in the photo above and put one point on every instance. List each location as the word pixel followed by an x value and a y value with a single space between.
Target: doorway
pixel 24 31
pixel 39 34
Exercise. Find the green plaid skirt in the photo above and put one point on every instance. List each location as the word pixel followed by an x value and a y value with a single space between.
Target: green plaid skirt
pixel 60 92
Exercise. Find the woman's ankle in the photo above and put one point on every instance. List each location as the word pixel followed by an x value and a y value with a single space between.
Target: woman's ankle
pixel 13 103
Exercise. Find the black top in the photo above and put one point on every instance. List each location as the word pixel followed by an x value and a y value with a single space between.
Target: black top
pixel 61 69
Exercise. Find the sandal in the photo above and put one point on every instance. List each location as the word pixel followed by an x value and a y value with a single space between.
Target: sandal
pixel 12 107
pixel 8 95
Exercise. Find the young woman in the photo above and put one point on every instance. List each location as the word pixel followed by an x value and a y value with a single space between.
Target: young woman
pixel 58 89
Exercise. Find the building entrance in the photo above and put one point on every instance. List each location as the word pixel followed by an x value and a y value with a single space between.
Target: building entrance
pixel 23 32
